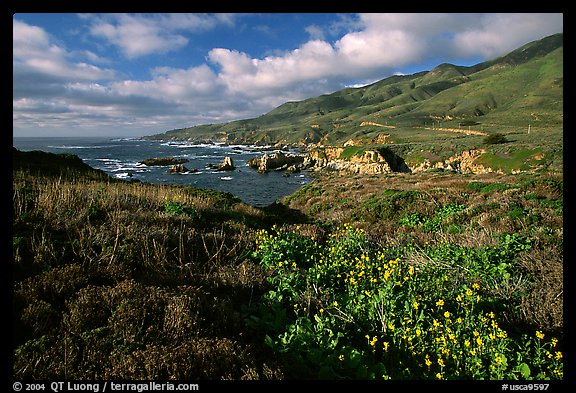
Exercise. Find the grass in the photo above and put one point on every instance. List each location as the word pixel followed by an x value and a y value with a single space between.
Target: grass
pixel 132 281
pixel 127 280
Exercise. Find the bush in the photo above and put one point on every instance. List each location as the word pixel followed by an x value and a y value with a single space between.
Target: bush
pixel 494 139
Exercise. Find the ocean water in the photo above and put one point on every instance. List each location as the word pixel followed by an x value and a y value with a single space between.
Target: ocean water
pixel 121 158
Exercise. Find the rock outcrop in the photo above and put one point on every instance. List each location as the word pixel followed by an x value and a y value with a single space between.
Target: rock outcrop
pixel 464 162
pixel 178 168
pixel 363 161
pixel 278 161
pixel 163 161
pixel 368 161
pixel 226 165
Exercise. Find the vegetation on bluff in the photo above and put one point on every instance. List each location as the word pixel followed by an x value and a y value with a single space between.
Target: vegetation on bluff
pixel 404 276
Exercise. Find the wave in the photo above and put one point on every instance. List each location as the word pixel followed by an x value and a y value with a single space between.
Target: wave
pixel 216 156
pixel 126 140
pixel 81 147
pixel 226 178
pixel 219 145
pixel 115 165
pixel 123 175
pixel 182 145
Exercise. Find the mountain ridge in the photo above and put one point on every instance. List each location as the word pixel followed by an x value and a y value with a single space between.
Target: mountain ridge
pixel 505 91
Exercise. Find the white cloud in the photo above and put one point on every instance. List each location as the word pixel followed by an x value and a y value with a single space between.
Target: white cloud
pixel 173 85
pixel 370 49
pixel 137 36
pixel 34 53
pixel 496 34
pixel 140 35
pixel 315 32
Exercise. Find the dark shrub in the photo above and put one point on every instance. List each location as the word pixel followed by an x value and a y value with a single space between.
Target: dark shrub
pixel 494 139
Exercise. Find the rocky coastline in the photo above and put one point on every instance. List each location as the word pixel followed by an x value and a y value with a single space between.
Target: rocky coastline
pixel 367 162
pixel 347 159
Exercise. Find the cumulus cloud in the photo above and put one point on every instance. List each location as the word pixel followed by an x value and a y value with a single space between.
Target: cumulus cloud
pixel 495 34
pixel 140 35
pixel 35 54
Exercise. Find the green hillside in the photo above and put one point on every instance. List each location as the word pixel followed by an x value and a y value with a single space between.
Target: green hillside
pixel 519 90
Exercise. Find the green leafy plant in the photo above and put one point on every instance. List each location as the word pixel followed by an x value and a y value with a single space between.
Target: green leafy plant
pixel 176 208
pixel 353 309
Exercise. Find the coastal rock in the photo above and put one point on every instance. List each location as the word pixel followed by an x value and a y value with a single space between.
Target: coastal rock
pixel 366 160
pixel 369 161
pixel 178 168
pixel 163 161
pixel 227 164
pixel 465 162
pixel 278 161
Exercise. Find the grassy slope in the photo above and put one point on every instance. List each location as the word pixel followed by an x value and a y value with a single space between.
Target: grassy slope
pixel 116 279
pixel 128 280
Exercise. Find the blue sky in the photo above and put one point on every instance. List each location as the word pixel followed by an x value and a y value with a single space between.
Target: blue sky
pixel 125 75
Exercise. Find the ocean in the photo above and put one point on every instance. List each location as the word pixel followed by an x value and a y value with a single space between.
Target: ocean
pixel 121 157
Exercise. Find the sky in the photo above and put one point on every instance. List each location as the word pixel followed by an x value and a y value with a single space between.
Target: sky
pixel 131 75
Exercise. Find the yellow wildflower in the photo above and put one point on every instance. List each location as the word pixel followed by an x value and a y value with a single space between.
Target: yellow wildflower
pixel 554 342
pixel 440 303
pixel 558 355
pixel 540 335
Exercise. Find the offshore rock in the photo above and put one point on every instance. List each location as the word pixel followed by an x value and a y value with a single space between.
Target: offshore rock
pixel 163 161
pixel 227 165
pixel 178 168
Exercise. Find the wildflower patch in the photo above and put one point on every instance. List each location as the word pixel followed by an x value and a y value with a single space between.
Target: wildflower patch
pixel 350 308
